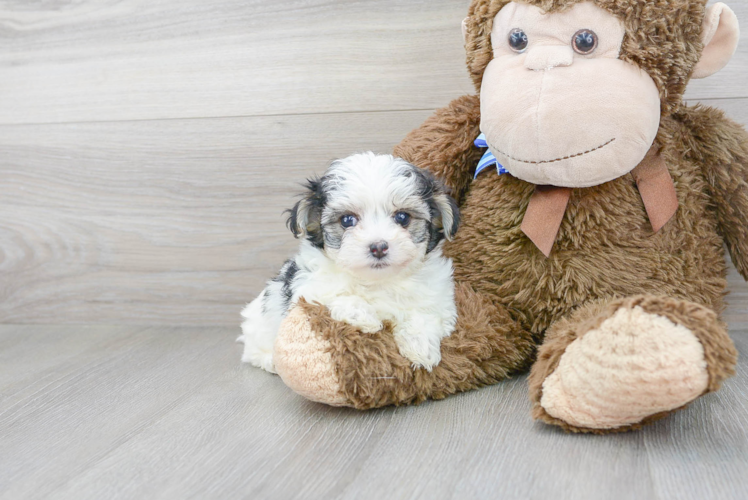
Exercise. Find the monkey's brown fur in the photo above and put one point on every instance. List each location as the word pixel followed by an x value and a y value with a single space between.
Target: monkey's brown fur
pixel 510 297
pixel 486 347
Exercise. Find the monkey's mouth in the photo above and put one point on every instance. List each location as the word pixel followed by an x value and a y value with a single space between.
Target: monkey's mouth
pixel 577 155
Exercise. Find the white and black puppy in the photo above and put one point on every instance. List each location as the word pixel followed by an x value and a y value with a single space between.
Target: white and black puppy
pixel 372 227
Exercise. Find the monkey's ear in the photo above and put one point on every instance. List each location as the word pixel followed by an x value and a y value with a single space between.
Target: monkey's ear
pixel 720 34
pixel 464 29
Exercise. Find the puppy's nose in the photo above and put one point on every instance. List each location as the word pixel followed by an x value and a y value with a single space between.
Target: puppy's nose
pixel 379 249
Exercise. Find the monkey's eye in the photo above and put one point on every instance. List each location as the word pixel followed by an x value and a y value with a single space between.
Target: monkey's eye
pixel 402 218
pixel 348 221
pixel 518 40
pixel 584 42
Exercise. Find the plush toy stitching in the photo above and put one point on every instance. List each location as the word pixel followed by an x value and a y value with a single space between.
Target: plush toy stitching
pixel 557 159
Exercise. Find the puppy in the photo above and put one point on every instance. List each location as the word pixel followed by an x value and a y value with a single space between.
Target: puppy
pixel 372 228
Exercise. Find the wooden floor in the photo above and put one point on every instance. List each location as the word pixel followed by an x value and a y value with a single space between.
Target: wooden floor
pixel 126 412
pixel 147 151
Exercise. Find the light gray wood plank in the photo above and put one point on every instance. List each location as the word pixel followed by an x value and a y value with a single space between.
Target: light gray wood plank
pixel 133 59
pixel 136 59
pixel 51 348
pixel 160 221
pixel 70 416
pixel 169 413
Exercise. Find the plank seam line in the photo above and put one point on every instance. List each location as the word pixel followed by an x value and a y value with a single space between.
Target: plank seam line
pixel 323 113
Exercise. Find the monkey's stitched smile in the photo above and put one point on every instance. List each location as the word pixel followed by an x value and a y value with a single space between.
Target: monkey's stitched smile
pixel 552 161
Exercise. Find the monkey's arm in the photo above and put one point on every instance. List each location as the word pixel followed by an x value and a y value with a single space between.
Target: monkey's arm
pixel 444 144
pixel 721 146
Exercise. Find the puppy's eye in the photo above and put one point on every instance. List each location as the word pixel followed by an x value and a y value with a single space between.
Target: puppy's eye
pixel 348 221
pixel 518 40
pixel 584 42
pixel 402 218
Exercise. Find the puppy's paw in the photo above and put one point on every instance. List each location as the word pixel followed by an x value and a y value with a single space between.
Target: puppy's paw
pixel 355 312
pixel 421 347
pixel 359 318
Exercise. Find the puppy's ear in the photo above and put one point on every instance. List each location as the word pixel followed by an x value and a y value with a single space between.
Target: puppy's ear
pixel 297 217
pixel 444 210
pixel 449 213
pixel 305 218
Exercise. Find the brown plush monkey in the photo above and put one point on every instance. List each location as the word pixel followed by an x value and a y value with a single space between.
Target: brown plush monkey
pixel 597 259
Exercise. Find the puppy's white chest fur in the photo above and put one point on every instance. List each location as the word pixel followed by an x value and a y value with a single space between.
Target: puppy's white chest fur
pixel 419 301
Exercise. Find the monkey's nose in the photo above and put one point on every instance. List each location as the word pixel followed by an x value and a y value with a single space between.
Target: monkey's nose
pixel 544 57
pixel 379 249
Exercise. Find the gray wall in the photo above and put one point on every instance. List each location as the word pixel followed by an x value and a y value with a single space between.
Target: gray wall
pixel 148 148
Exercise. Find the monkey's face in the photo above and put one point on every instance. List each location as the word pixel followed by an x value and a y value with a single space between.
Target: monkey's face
pixel 558 106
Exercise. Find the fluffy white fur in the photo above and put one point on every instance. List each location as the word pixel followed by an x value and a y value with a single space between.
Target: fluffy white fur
pixel 411 286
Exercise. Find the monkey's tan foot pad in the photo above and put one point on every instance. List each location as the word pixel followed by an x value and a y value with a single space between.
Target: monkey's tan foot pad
pixel 303 359
pixel 636 366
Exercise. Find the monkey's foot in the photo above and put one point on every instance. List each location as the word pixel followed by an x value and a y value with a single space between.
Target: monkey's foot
pixel 335 363
pixel 619 366
pixel 303 359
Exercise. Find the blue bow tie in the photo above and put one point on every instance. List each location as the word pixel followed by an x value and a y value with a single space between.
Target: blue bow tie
pixel 488 158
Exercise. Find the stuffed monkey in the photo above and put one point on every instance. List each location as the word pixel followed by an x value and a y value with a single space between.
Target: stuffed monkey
pixel 595 206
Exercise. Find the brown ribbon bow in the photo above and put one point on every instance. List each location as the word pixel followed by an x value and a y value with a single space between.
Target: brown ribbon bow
pixel 548 204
